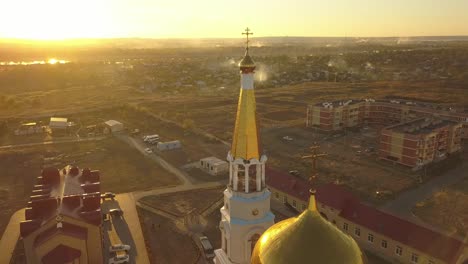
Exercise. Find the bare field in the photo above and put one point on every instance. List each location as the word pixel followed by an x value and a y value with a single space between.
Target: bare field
pixel 123 169
pixel 361 171
pixel 183 203
pixel 447 209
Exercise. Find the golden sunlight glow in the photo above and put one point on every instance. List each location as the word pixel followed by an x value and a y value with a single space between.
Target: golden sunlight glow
pixel 52 61
pixel 54 19
pixel 73 19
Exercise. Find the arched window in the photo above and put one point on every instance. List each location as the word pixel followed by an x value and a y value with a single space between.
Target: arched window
pixel 253 240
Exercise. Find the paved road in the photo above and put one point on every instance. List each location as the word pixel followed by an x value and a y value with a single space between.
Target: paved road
pixel 132 224
pixel 11 236
pixel 404 203
pixel 51 142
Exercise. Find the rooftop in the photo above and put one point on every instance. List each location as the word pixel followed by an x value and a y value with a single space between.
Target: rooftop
pixel 59 119
pixel 338 103
pixel 421 126
pixel 112 123
pixel 214 160
pixel 67 192
pixel 290 184
pixel 436 244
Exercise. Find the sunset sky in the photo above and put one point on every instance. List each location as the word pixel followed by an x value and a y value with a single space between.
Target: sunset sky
pixel 62 19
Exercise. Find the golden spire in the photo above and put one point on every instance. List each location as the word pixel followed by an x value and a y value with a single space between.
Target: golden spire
pixel 245 141
pixel 308 238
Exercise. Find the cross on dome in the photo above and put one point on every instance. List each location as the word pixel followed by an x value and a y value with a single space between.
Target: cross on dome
pixel 247 32
pixel 314 157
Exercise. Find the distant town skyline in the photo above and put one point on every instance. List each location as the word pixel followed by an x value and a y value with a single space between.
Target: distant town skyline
pixel 55 19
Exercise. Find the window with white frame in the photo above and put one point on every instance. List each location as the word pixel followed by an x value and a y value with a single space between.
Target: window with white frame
pixel 345 226
pixel 370 238
pixel 414 258
pixel 303 207
pixel 294 204
pixel 357 231
pixel 384 244
pixel 398 250
pixel 277 195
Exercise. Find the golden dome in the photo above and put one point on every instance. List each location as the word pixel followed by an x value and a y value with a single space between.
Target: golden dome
pixel 307 238
pixel 247 61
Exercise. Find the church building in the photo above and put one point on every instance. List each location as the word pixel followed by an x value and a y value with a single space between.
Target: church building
pixel 246 212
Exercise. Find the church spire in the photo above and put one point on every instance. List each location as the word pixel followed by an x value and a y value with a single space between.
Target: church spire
pixel 246 212
pixel 245 140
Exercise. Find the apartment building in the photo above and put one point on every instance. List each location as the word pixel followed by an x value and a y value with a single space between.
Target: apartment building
pixel 339 115
pixel 421 141
pixel 63 218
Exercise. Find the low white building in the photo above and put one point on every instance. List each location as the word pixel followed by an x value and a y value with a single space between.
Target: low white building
pixel 29 129
pixel 162 146
pixel 113 126
pixel 214 166
pixel 58 123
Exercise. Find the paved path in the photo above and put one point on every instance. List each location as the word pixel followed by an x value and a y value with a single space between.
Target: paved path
pixel 11 236
pixel 405 202
pixel 51 142
pixel 127 204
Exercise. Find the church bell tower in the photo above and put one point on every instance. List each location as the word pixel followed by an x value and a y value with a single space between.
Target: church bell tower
pixel 246 212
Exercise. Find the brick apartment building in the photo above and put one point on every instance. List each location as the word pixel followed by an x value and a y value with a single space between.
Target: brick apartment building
pixel 63 218
pixel 384 234
pixel 338 115
pixel 420 141
pixel 414 133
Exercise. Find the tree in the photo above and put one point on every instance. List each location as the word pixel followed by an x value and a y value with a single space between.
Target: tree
pixel 188 124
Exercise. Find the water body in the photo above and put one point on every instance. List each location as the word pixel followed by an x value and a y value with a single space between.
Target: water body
pixel 50 61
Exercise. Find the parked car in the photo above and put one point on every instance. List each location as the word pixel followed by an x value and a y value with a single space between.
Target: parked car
pixel 108 195
pixel 116 212
pixel 288 138
pixel 207 247
pixel 119 259
pixel 119 247
pixel 294 172
pixel 148 150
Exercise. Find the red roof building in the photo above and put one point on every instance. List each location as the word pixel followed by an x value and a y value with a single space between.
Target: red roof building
pixel 386 235
pixel 63 218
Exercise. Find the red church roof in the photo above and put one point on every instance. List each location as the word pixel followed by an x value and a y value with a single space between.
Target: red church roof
pixel 436 244
pixel 290 184
pixel 61 254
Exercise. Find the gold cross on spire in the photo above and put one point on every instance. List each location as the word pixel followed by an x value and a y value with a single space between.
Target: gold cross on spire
pixel 247 32
pixel 314 156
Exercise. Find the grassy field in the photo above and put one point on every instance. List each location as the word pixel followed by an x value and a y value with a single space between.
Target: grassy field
pixel 447 209
pixel 123 169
